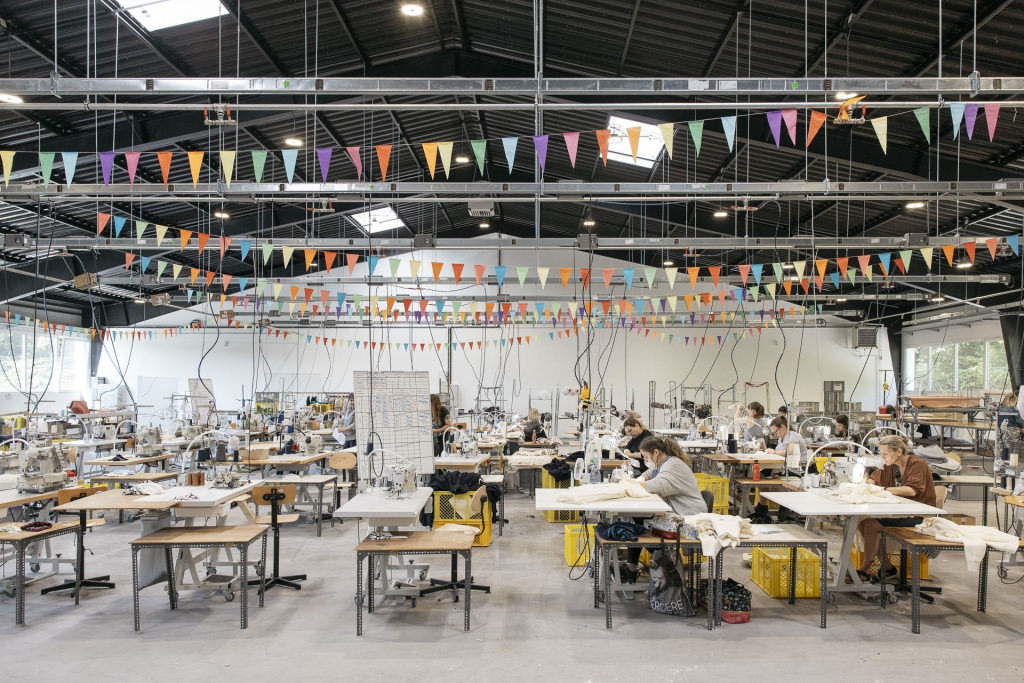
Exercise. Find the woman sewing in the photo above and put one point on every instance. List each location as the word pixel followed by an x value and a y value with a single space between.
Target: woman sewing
pixel 842 427
pixel 440 421
pixel 779 428
pixel 637 433
pixel 904 475
pixel 751 420
pixel 532 428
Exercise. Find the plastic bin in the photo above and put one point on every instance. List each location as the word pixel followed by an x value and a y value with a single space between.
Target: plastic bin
pixel 549 482
pixel 856 557
pixel 578 548
pixel 718 486
pixel 770 571
pixel 453 508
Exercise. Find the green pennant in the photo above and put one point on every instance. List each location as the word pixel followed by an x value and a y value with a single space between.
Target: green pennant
pixel 46 165
pixel 160 266
pixel 480 152
pixel 777 267
pixel 923 119
pixel 521 271
pixel 696 132
pixel 394 263
pixel 260 286
pixel 259 160
pixel 140 229
pixel 649 273
pixel 905 256
pixel 851 273
pixel 268 249
pixel 755 295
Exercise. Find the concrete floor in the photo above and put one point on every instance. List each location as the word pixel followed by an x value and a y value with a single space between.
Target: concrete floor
pixel 536 625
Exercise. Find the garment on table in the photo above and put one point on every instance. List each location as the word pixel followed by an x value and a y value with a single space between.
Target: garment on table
pixel 864 492
pixel 917 475
pixel 974 538
pixel 528 458
pixel 675 484
pixel 593 493
pixel 719 531
pixel 559 470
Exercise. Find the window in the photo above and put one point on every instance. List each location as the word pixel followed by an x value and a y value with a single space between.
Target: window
pixel 157 14
pixel 378 220
pixel 58 364
pixel 971 367
pixel 647 150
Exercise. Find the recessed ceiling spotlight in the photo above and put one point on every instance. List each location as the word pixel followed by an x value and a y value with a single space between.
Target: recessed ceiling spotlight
pixel 223 215
pixel 937 299
pixel 411 9
pixel 964 265
pixel 787 266
pixel 721 214
pixel 485 225
pixel 139 301
pixel 668 262
pixel 462 160
pixel 914 205
pixel 589 223
pixel 845 95
pixel 293 142
pixel 840 301
pixel 10 99
pixel 793 278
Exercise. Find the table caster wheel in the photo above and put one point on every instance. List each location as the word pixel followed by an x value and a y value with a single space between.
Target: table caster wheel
pixel 229 596
pixel 35 567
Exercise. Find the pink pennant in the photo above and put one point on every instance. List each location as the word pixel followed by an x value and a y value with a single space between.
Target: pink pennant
pixel 478 270
pixel 991 116
pixel 353 154
pixel 572 141
pixel 789 116
pixel 131 160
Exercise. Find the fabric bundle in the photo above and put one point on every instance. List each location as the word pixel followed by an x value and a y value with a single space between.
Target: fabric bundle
pixel 974 538
pixel 592 493
pixel 864 492
pixel 559 470
pixel 719 531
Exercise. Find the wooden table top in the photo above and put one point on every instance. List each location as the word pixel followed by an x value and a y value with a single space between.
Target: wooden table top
pixel 773 482
pixel 650 539
pixel 290 459
pixel 420 541
pixel 12 498
pixel 116 500
pixel 916 538
pixel 135 477
pixel 173 535
pixel 1016 501
pixel 29 535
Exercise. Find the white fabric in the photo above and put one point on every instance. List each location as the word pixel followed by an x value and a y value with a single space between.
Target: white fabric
pixel 10 529
pixel 862 493
pixel 538 457
pixel 719 531
pixel 974 538
pixel 458 528
pixel 592 493
pixel 1020 403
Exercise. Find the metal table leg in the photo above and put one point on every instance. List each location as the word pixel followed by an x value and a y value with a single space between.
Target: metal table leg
pixel 792 575
pixel 244 589
pixel 915 584
pixel 468 583
pixel 824 583
pixel 263 570
pixel 19 609
pixel 135 586
pixel 983 583
pixel 714 592
pixel 359 594
pixel 608 550
pixel 172 589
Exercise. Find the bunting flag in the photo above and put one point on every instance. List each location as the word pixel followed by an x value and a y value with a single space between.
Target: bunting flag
pixel 606 275
pixel 479 153
pixel 905 256
pixel 572 141
pixel 714 271
pixel 160 267
pixel 286 253
pixel 414 269
pixel 371 264
pixel 289 156
pixel 947 250
pixel 478 271
pixel 1014 242
pixel 881 126
pixel 521 272
pixel 510 144
pixel 383 158
pixel 499 274
pixel 696 132
pixel 259 162
pixel 193 274
pixel 542 275
pixel 323 159
pixel 926 254
pixel 633 133
pixel 351 260
pixel 227 165
pixel 540 144
pixel 693 272
pixel 843 262
pixel 775 124
pixel 70 161
pixel 185 236
pixel 744 273
pixel 814 125
pixel 202 238
pixel 757 269
pixel 798 266
pixel 777 269
pixel 670 275
pixel 956 112
pixel 923 119
pixel 309 255
pixel 969 249
pixel 195 162
pixel 436 266
pixel 268 249
pixel 565 274
pixel 140 230
pixel 970 117
pixel 834 275
pixel 729 128
pixel 119 222
pixel 603 136
pixel 445 150
pixel 789 116
pixel 164 159
pixel 627 275
pixel 131 162
pixel 885 260
pixel 991 117
pixel 244 247
pixel 106 164
pixel 128 258
pixel 430 154
pixel 176 270
pixel 101 222
pixel 457 271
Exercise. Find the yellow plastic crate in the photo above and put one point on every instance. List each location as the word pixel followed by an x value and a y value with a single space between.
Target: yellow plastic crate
pixel 718 486
pixel 453 508
pixel 645 556
pixel 578 548
pixel 856 557
pixel 770 571
pixel 549 482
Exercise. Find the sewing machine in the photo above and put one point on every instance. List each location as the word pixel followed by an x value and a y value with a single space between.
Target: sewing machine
pixel 148 442
pixel 42 469
pixel 312 444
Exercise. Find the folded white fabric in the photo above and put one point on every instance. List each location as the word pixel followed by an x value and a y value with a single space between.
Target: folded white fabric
pixel 974 538
pixel 592 493
pixel 540 456
pixel 10 529
pixel 862 493
pixel 719 531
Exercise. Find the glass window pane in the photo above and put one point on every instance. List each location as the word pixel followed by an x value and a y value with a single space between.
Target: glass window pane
pixel 921 369
pixel 910 369
pixel 972 366
pixel 942 368
pixel 998 373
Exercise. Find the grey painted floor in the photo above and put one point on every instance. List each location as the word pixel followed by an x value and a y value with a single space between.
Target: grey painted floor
pixel 536 625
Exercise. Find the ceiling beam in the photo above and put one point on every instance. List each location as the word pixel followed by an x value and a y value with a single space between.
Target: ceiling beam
pixel 725 37
pixel 841 29
pixel 255 37
pixel 986 13
pixel 346 27
pixel 629 36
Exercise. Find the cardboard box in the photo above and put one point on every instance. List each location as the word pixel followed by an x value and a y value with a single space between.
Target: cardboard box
pixel 966 520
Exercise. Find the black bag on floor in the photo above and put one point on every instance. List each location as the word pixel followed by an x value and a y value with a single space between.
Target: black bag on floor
pixel 735 602
pixel 667 591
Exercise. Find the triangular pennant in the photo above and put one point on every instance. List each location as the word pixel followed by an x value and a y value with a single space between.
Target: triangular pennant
pixel 540 145
pixel 46 165
pixel 777 270
pixel 436 267
pixel 948 250
pixel 445 150
pixel 202 238
pixel 886 260
pixel 309 255
pixel 606 275
pixel 289 156
pixel 227 165
pixel 329 257
pixel 478 270
pixel 905 256
pixel 744 273
pixel 693 272
pixel 101 222
pixel 603 136
pixel 757 269
pixel 851 275
pixel 991 118
pixel 650 273
pixel 510 144
pixel 521 272
pixel 585 277
pixel 970 117
pixel 956 112
pixel 499 274
pixel 161 266
pixel 193 274
pixel 144 263
pixel 351 259
pixel 668 130
pixel 729 128
pixel 627 275
pixel 814 125
pixel 820 265
pixel 923 119
pixel 430 154
pixel 244 247
pixel 565 274
pixel 670 275
pixel 542 275
pixel 70 160
pixel 414 269
pixel 1014 242
pixel 209 279
pixel 572 141
pixel 128 258
pixel 479 153
pixel 176 270
pixel 119 222
pixel 267 248
pixel 834 275
pixel 633 133
pixel 383 159
pixel 881 126
pixel 140 229
pixel 225 280
pixel 259 162
pixel 696 132
pixel 843 262
pixel 371 264
pixel 185 236
pixel 969 249
pixel 106 164
pixel 775 124
pixel 798 267
pixel 286 253
pixel 789 116
pixel 714 272
pixel 195 162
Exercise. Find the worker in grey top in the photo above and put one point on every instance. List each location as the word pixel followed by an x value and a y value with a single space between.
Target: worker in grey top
pixel 669 476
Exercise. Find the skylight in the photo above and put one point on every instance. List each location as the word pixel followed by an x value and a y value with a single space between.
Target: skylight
pixel 158 14
pixel 618 146
pixel 378 220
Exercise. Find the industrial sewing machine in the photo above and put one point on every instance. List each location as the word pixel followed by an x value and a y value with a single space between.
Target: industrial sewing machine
pixel 148 442
pixel 312 444
pixel 42 469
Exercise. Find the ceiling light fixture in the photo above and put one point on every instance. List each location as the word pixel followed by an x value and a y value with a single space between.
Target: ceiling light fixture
pixel 840 301
pixel 10 99
pixel 668 262
pixel 412 10
pixel 964 265
pixel 139 301
pixel 914 205
pixel 787 266
pixel 462 160
pixel 588 223
pixel 223 215
pixel 937 299
pixel 845 95
pixel 293 142
pixel 485 225
pixel 721 214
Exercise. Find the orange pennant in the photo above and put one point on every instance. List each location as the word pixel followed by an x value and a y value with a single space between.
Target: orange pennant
pixel 804 284
pixel 195 162
pixel 744 273
pixel 310 254
pixel 436 266
pixel 602 141
pixel 225 280
pixel 128 258
pixel 585 277
pixel 817 118
pixel 843 262
pixel 193 273
pixel 165 163
pixel 457 271
pixel 788 286
pixel 969 248
pixel 821 264
pixel 714 271
pixel 203 238
pixel 565 274
pixel 209 277
pixel 101 222
pixel 606 274
pixel 225 242
pixel 185 235
pixel 693 272
pixel 351 258
pixel 991 243
pixel 383 157
pixel 948 250
pixel 430 152
pixel 329 257
pixel 633 133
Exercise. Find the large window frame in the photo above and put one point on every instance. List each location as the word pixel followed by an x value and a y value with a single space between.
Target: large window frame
pixel 916 383
pixel 67 358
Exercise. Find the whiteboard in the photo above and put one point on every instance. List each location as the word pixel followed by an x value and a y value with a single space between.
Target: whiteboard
pixel 395 407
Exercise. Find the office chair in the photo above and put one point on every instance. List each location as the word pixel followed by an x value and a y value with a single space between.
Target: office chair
pixel 477 508
pixel 276 496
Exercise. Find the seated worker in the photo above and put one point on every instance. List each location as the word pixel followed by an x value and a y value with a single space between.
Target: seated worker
pixel 905 475
pixel 637 432
pixel 753 428
pixel 440 421
pixel 668 476
pixel 533 429
pixel 779 429
pixel 784 413
pixel 842 428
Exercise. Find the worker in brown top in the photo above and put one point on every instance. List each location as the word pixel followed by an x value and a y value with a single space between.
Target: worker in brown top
pixel 904 475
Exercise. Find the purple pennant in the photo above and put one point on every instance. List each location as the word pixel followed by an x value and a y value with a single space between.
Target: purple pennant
pixel 107 162
pixel 540 143
pixel 775 123
pixel 970 116
pixel 323 154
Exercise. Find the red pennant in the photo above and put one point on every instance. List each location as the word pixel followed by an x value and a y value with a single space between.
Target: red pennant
pixel 307 292
pixel 805 284
pixel 457 271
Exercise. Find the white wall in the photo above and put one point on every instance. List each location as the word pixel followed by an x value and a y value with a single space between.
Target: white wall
pixel 629 363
